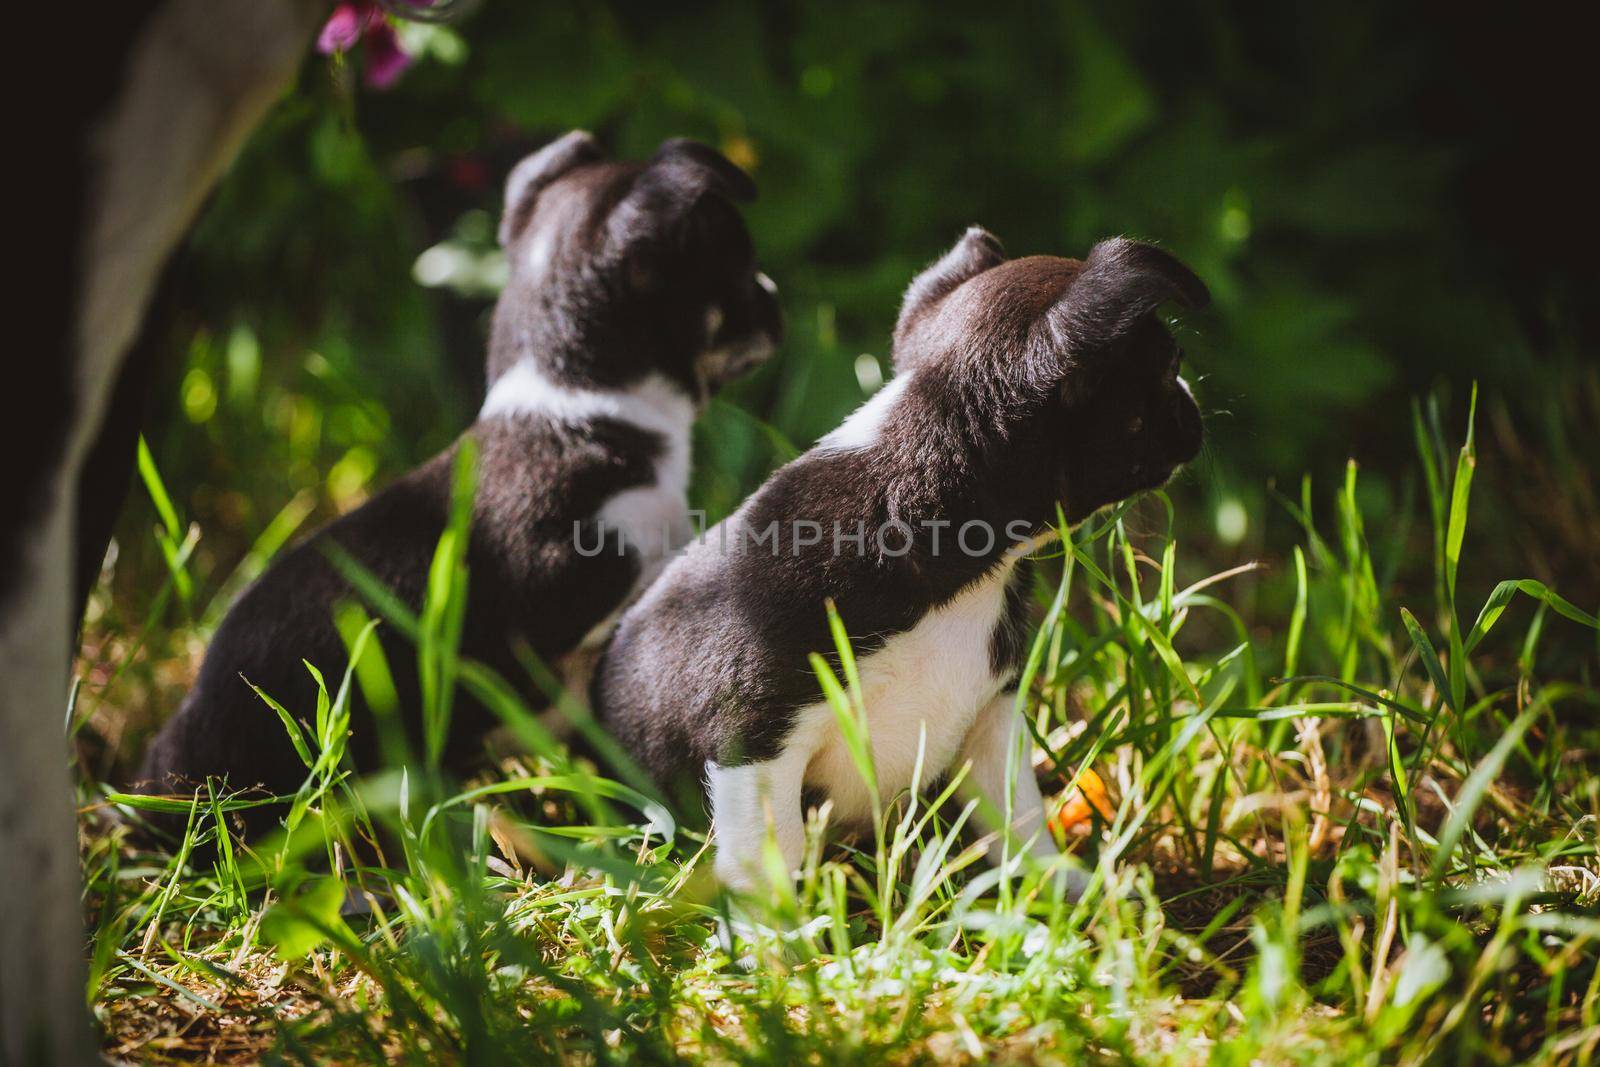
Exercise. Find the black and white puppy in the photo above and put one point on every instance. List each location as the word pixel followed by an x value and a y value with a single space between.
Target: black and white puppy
pixel 633 295
pixel 1021 384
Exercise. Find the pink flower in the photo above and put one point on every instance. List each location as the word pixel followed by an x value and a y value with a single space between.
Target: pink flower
pixel 344 28
pixel 386 60
pixel 365 20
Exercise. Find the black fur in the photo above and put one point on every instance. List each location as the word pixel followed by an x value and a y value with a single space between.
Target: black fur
pixel 1027 377
pixel 637 252
pixel 1010 630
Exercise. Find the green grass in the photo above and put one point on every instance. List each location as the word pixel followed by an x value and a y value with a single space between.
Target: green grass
pixel 1361 830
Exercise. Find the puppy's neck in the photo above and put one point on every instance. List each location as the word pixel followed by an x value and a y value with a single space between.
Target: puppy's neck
pixel 932 451
pixel 574 346
pixel 653 403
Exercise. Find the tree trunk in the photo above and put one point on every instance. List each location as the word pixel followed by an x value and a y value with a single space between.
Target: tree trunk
pixel 199 76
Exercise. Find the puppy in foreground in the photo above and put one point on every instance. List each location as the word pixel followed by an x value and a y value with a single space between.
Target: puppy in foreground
pixel 1021 385
pixel 633 295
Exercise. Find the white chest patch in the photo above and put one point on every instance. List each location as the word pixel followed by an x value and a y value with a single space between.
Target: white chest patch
pixel 934 677
pixel 652 519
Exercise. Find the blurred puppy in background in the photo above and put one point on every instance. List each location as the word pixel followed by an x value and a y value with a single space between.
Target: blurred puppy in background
pixel 633 296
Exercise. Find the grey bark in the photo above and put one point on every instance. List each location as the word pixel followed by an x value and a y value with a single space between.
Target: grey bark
pixel 199 79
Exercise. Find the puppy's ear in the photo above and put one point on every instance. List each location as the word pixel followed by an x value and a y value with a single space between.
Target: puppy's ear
pixel 1120 283
pixel 686 188
pixel 976 251
pixel 539 170
pixel 694 168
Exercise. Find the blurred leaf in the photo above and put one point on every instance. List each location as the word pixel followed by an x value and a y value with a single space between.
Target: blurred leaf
pixel 300 923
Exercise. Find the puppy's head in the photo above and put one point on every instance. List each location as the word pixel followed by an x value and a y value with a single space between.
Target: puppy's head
pixel 1066 359
pixel 619 269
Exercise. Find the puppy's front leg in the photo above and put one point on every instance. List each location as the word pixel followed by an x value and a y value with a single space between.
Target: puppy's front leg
pixel 748 802
pixel 998 732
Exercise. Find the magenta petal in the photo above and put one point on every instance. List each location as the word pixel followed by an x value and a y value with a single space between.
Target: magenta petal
pixel 342 30
pixel 385 60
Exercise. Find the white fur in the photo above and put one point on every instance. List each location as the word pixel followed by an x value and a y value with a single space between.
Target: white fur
pixel 749 803
pixel 865 424
pixel 935 676
pixel 1001 751
pixel 932 687
pixel 541 250
pixel 653 402
pixel 653 519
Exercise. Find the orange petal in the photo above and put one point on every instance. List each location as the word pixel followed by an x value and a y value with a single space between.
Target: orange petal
pixel 1094 791
pixel 1073 811
pixel 1088 796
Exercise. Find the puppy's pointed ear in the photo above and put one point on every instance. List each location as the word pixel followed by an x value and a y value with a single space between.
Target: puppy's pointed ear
pixel 685 189
pixel 976 251
pixel 1120 283
pixel 530 176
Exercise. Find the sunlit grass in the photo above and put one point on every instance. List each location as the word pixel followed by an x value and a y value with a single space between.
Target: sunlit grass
pixel 1361 832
